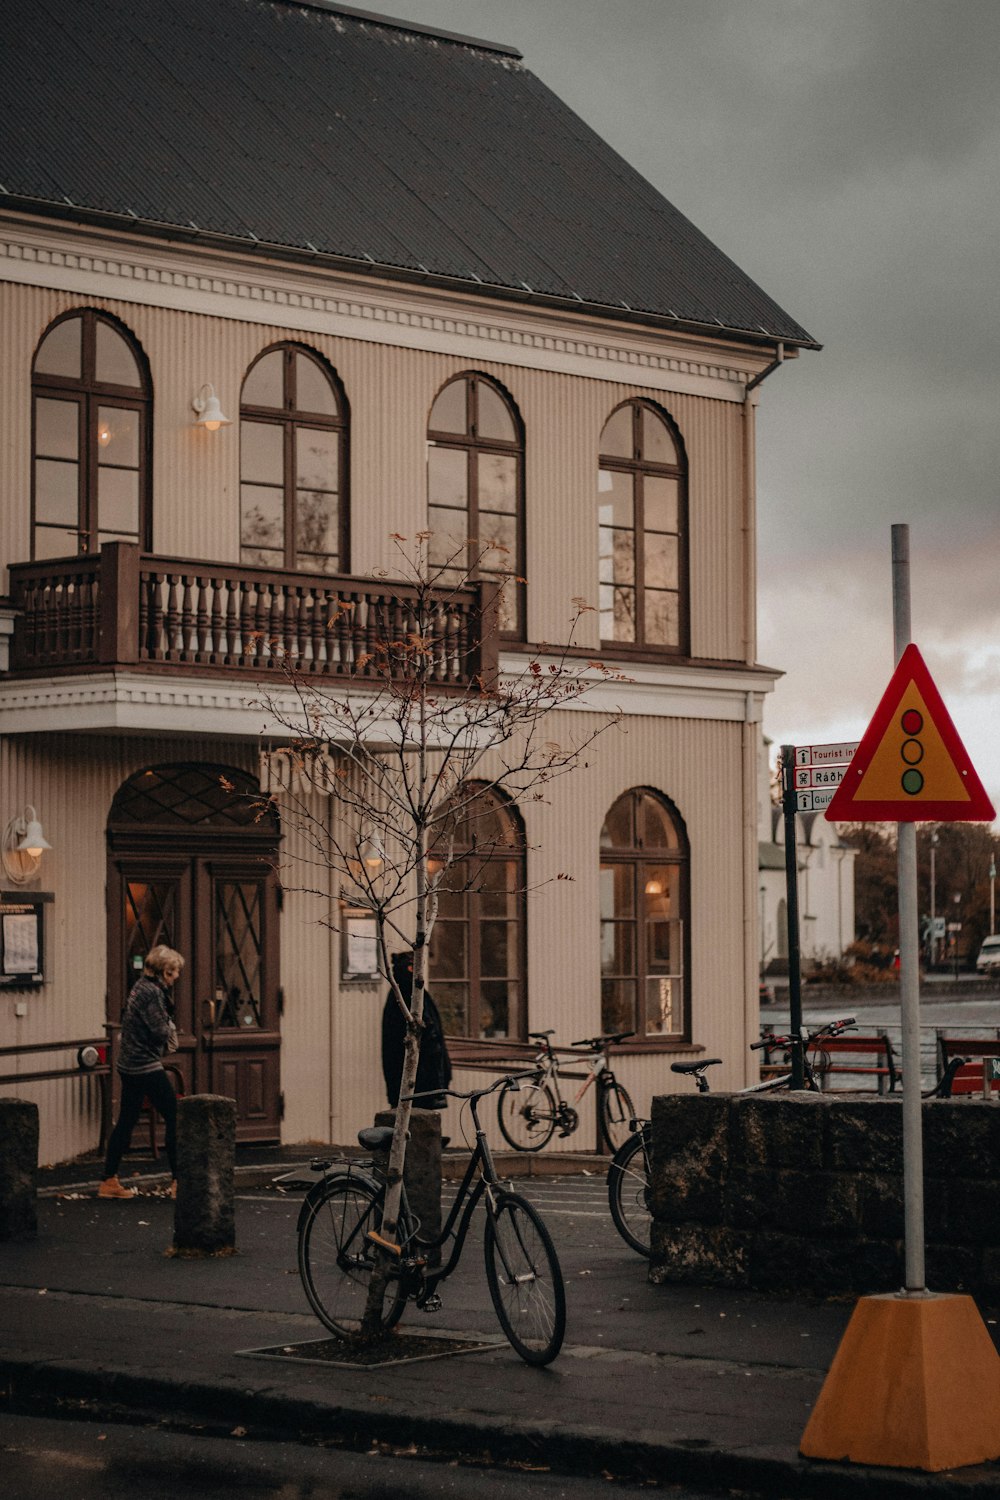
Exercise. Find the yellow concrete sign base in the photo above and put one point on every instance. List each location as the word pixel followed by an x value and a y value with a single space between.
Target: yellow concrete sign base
pixel 915 1384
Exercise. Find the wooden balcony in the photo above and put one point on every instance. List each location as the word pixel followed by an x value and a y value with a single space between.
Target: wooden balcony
pixel 120 608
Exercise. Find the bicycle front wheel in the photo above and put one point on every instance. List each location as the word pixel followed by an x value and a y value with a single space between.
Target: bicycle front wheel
pixel 336 1259
pixel 525 1279
pixel 616 1115
pixel 527 1116
pixel 628 1191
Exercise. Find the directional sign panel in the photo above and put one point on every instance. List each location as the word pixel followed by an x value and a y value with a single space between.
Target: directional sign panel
pixel 819 776
pixel 814 801
pixel 911 766
pixel 824 755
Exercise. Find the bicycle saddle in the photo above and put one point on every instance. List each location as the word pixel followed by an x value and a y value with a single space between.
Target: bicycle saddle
pixel 541 1035
pixel 375 1137
pixel 694 1067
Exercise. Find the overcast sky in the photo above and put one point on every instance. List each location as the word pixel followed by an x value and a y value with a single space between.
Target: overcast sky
pixel 846 154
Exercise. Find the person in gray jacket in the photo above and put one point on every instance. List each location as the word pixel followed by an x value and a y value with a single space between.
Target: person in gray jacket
pixel 148 1031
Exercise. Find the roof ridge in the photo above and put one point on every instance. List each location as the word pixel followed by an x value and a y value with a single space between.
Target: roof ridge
pixel 397 24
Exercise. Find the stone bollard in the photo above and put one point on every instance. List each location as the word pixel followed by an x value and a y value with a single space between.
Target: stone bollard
pixel 422 1171
pixel 204 1217
pixel 18 1169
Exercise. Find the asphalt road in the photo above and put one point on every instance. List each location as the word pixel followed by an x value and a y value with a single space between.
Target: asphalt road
pixel 82 1460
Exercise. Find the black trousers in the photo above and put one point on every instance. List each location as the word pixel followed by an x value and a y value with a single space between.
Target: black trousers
pixel 136 1087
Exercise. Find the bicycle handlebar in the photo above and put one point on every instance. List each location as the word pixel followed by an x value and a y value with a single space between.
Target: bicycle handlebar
pixel 596 1043
pixel 831 1028
pixel 513 1079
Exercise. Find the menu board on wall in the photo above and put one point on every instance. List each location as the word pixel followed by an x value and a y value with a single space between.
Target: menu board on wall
pixel 22 934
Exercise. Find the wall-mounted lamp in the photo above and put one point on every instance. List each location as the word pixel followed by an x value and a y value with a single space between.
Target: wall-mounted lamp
pixel 210 413
pixel 23 846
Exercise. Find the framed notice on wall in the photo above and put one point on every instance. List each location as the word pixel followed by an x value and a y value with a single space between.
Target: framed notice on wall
pixel 359 946
pixel 22 938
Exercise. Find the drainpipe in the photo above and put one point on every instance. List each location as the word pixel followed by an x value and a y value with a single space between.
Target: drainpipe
pixel 750 510
pixel 751 727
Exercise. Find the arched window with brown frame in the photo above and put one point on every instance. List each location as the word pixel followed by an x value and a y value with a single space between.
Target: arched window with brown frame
pixel 475 490
pixel 642 532
pixel 477 949
pixel 293 464
pixel 91 397
pixel 644 894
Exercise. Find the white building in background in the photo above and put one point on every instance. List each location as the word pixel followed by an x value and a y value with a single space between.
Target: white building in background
pixel 825 882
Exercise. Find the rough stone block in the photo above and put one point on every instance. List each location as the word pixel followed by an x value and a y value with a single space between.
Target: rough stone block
pixel 778 1130
pixel 691 1254
pixel 18 1169
pixel 204 1213
pixel 973 1212
pixel 690 1157
pixel 863 1135
pixel 880 1200
pixel 961 1136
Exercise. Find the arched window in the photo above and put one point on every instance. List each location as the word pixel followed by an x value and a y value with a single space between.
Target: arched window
pixel 293 464
pixel 642 530
pixel 475 463
pixel 644 900
pixel 477 952
pixel 91 434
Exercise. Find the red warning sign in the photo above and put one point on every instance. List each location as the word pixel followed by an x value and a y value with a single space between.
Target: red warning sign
pixel 911 766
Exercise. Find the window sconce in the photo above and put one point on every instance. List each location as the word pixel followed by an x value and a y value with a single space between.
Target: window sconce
pixel 23 846
pixel 210 413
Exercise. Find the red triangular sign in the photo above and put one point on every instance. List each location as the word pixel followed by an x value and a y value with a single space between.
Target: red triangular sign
pixel 911 766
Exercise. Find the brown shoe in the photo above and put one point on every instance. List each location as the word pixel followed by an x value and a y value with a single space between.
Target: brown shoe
pixel 112 1188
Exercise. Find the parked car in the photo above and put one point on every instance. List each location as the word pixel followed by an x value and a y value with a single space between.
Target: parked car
pixel 988 961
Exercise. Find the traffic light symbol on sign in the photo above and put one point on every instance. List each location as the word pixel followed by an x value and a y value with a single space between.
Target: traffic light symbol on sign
pixel 912 752
pixel 911 765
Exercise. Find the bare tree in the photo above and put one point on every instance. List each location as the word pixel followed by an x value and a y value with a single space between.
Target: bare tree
pixel 414 744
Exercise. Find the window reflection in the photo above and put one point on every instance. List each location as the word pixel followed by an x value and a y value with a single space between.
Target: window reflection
pixel 641 578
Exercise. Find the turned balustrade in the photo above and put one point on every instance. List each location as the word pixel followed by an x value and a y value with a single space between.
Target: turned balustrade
pixel 120 608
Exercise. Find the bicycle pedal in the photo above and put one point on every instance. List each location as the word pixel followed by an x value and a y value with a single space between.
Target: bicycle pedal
pixel 431 1304
pixel 566 1130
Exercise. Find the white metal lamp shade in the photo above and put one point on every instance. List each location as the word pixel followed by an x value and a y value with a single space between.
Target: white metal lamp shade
pixel 210 413
pixel 34 840
pixel 22 847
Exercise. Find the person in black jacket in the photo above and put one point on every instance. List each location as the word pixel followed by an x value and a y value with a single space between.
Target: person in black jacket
pixel 148 1031
pixel 434 1067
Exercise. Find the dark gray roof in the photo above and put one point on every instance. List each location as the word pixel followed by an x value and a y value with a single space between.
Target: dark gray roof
pixel 316 128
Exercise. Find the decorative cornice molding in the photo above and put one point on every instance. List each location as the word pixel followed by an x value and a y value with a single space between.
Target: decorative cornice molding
pixel 419 319
pixel 133 702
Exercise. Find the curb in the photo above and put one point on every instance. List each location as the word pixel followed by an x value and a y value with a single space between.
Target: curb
pixel 564 1449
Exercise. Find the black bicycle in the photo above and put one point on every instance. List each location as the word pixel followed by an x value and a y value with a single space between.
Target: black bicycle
pixel 630 1176
pixel 340 1227
pixel 529 1118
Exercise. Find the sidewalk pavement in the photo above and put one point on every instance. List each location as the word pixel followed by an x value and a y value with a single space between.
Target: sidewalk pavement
pixel 678 1384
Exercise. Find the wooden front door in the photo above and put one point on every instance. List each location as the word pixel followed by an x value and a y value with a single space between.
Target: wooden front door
pixel 217 903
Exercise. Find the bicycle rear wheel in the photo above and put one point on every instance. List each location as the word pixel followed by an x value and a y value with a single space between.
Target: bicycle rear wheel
pixel 525 1279
pixel 628 1191
pixel 527 1116
pixel 335 1258
pixel 616 1115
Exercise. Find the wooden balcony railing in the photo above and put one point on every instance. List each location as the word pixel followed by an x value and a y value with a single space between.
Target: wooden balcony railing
pixel 120 608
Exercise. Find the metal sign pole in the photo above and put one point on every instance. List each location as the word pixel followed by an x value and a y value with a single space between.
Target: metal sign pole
pixel 792 908
pixel 909 964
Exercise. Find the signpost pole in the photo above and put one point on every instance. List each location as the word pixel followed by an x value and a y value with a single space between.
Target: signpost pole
pixel 792 908
pixel 909 964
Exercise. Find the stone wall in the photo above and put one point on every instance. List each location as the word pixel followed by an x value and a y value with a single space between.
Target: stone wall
pixel 805 1192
